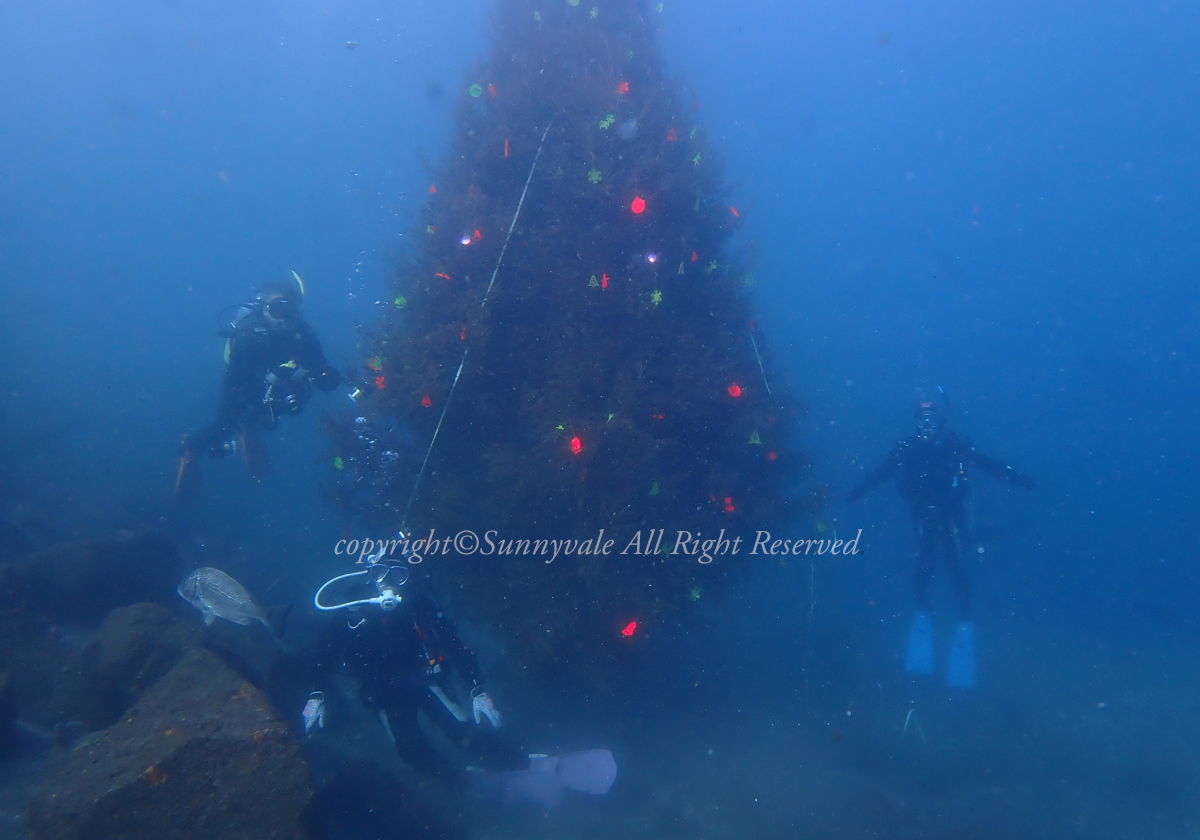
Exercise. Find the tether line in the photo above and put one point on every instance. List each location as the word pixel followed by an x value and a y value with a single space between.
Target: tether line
pixel 499 260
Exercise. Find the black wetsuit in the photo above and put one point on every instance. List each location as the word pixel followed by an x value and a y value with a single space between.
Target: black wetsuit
pixel 271 371
pixel 934 481
pixel 399 656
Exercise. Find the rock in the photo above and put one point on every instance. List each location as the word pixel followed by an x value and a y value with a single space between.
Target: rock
pixel 134 647
pixel 202 755
pixel 8 715
pixel 35 655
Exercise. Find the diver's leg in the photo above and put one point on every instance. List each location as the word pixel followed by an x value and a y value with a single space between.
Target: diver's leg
pixel 483 745
pixel 960 669
pixel 410 741
pixel 952 544
pixel 918 658
pixel 926 558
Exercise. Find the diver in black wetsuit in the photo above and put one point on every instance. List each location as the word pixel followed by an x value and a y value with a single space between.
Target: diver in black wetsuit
pixel 935 468
pixel 273 361
pixel 408 658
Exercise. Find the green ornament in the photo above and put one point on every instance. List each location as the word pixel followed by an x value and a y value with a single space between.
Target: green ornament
pixel 593 281
pixel 696 160
pixel 610 417
pixel 755 440
pixel 572 2
pixel 654 491
pixel 594 12
pixel 560 427
pixel 401 301
pixel 656 297
pixel 748 281
pixel 338 463
pixel 658 8
pixel 476 90
pixel 694 595
pixel 711 267
pixel 608 121
pixel 537 15
pixel 594 176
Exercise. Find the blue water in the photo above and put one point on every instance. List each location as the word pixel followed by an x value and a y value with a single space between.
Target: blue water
pixel 995 198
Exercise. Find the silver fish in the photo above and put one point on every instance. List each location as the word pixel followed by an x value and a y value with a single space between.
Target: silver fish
pixel 217 595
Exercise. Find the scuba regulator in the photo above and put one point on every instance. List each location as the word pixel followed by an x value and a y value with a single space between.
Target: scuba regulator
pixel 387 576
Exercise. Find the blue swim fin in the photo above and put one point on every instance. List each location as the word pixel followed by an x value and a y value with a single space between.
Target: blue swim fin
pixel 960 673
pixel 919 658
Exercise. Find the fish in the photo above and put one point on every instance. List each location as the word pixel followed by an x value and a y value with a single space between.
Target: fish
pixel 217 595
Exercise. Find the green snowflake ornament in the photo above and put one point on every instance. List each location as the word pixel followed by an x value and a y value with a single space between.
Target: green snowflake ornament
pixel 608 121
pixel 594 176
pixel 656 297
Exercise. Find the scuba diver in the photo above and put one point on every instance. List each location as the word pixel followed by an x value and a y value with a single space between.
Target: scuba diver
pixel 408 658
pixel 273 359
pixel 935 471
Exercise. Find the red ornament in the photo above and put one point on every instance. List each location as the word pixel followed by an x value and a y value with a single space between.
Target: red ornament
pixel 432 189
pixel 476 235
pixel 770 456
pixel 492 90
pixel 671 136
pixel 506 147
pixel 734 210
pixel 576 446
pixel 463 335
pixel 695 256
pixel 443 276
pixel 628 629
pixel 379 382
pixel 426 402
pixel 623 88
pixel 603 281
pixel 729 504
pixel 735 390
pixel 637 205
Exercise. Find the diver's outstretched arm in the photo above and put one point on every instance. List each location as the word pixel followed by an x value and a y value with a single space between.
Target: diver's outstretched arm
pixel 998 468
pixel 881 474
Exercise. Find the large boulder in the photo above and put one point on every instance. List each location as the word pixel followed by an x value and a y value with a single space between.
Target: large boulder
pixel 134 647
pixel 202 756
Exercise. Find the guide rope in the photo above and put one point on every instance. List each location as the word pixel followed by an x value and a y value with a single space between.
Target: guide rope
pixel 499 260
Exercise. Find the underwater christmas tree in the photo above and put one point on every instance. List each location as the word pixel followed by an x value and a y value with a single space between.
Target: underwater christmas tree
pixel 613 376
